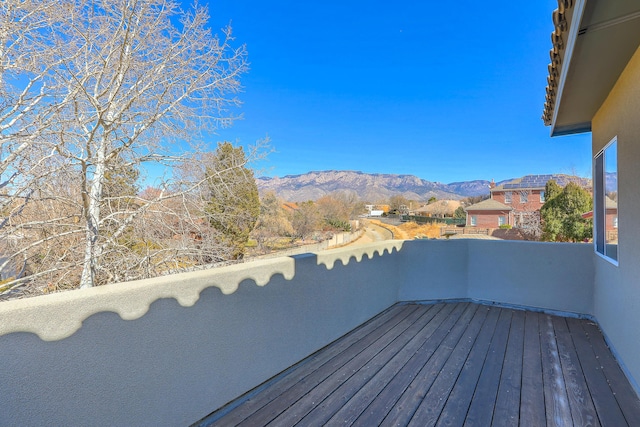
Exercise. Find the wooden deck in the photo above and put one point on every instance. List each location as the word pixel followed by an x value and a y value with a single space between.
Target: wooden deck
pixel 450 364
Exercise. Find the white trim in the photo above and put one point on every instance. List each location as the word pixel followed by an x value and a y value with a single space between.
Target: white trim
pixel 606 258
pixel 596 214
pixel 568 53
pixel 612 22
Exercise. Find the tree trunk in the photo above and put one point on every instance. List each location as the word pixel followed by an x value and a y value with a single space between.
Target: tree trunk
pixel 92 215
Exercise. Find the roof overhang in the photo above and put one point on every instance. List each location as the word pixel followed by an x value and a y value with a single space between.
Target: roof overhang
pixel 592 43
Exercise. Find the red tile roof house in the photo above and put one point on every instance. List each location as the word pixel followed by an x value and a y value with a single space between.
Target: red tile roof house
pixel 486 345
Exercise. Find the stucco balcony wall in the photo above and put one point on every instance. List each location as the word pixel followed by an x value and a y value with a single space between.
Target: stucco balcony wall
pixel 174 364
pixel 192 342
pixel 547 276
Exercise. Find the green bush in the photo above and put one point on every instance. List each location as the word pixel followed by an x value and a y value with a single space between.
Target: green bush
pixel 338 224
pixel 505 227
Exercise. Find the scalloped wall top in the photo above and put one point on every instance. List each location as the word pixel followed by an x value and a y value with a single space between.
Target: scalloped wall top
pixel 58 316
pixel 329 257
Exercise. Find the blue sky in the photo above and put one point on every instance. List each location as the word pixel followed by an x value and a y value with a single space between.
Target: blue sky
pixel 405 87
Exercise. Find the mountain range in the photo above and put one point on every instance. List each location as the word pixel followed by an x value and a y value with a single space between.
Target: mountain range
pixel 368 187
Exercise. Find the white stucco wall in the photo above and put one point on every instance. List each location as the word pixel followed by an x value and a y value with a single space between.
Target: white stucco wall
pixel 434 269
pixel 617 288
pixel 550 276
pixel 173 365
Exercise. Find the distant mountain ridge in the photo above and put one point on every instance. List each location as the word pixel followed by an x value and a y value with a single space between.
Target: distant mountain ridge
pixel 368 187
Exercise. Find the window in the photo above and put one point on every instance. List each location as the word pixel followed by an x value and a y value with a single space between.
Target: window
pixel 474 220
pixel 524 196
pixel 542 196
pixel 605 235
pixel 501 221
pixel 507 197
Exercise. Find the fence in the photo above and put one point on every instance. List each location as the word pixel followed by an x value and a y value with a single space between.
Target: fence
pixel 338 239
pixel 433 220
pixel 449 231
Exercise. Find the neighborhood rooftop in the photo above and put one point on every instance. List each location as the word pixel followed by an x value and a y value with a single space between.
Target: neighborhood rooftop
pixel 489 205
pixel 537 181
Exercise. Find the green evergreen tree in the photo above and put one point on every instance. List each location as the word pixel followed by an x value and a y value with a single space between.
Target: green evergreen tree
pixel 120 185
pixel 561 214
pixel 551 189
pixel 234 204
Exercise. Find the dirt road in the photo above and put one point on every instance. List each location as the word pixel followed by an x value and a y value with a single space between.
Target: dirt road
pixel 374 233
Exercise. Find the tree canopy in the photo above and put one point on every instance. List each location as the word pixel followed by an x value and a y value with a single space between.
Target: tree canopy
pixel 90 93
pixel 273 222
pixel 234 204
pixel 562 213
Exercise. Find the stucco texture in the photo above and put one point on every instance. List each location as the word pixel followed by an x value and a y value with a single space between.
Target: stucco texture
pixel 617 288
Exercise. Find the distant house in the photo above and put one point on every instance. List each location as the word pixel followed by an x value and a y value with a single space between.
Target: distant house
pixel 489 213
pixel 377 208
pixel 438 209
pixel 611 219
pixel 522 196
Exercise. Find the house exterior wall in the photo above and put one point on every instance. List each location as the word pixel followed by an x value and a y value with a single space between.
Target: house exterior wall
pixel 617 288
pixel 533 200
pixel 610 222
pixel 487 219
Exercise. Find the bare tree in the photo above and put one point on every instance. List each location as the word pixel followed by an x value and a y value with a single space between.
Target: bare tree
pixel 273 223
pixel 396 201
pixel 26 60
pixel 91 92
pixel 528 221
pixel 306 219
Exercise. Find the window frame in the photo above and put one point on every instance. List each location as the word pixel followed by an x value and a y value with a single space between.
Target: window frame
pixel 600 203
pixel 473 221
pixel 507 197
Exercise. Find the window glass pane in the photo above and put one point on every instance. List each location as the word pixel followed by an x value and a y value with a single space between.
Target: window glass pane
pixel 611 200
pixel 598 202
pixel 606 201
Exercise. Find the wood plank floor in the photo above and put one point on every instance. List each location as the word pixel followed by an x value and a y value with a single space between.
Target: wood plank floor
pixel 450 364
